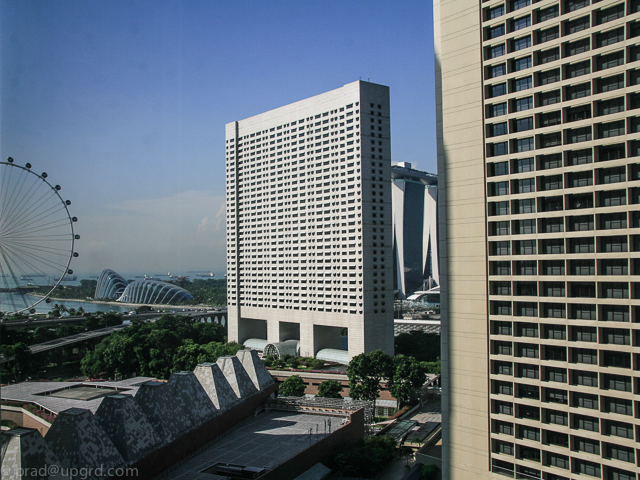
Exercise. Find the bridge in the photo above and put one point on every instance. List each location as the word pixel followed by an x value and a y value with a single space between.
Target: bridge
pixel 210 316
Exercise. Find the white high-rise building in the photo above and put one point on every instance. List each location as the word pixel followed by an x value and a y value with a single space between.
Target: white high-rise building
pixel 539 182
pixel 309 229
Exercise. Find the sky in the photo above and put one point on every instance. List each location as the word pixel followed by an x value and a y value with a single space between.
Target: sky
pixel 124 103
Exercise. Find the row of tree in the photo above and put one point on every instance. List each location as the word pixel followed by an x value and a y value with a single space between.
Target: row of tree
pixel 156 349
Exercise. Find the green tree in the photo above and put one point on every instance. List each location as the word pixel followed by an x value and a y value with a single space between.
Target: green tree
pixel 366 458
pixel 293 386
pixel 424 347
pixel 330 389
pixel 22 359
pixel 366 371
pixel 408 375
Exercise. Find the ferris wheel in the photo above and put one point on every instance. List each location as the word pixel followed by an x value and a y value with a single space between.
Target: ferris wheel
pixel 36 238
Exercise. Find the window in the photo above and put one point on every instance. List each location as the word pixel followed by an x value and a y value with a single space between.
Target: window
pixel 529 350
pixel 577 135
pixel 559 439
pixel 576 47
pixel 548 162
pixel 498 129
pixel 522 104
pixel 579 179
pixel 618 405
pixel 503 368
pixel 555 374
pixel 505 408
pixel 497 169
pixel 501 268
pixel 618 429
pixel 578 91
pixel 579 157
pixel 613 105
pixel 525 411
pixel 518 4
pixel 498 70
pixel 611 221
pixel 495 12
pixel 557 418
pixel 527 329
pixel 583 312
pixel 549 98
pixel 548 13
pixel 525 247
pixel 522 64
pixel 520 23
pixel 553 289
pixel 612 175
pixel 580 112
pixel 521 43
pixel 497 149
pixel 525 267
pixel 528 391
pixel 503 388
pixel 613 198
pixel 580 223
pixel 498 90
pixel 618 452
pixel 524 227
pixel 584 422
pixel 546 56
pixel 497 31
pixel 577 25
pixel 584 400
pixel 552 182
pixel 523 124
pixel 616 243
pixel 585 355
pixel 615 313
pixel 611 60
pixel 530 433
pixel 618 382
pixel 548 34
pixel 497 51
pixel 524 206
pixel 616 359
pixel 583 200
pixel 556 353
pixel 550 76
pixel 609 38
pixel 587 445
pixel 609 84
pixel 611 129
pixel 587 379
pixel 556 332
pixel 572 5
pixel 520 84
pixel 551 225
pixel 524 144
pixel 499 228
pixel 584 334
pixel 553 267
pixel 525 185
pixel 609 14
pixel 578 69
pixel 503 427
pixel 500 248
pixel 527 371
pixel 498 109
pixel 582 267
pixel 502 308
pixel 553 395
pixel 523 165
pixel 611 152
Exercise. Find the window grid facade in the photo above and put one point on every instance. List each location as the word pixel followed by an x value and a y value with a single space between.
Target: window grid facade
pixel 309 226
pixel 578 329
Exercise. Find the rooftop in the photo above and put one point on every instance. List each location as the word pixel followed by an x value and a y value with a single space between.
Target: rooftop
pixel 59 396
pixel 267 440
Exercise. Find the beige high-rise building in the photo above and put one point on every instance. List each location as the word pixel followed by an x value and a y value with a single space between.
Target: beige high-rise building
pixel 309 224
pixel 539 186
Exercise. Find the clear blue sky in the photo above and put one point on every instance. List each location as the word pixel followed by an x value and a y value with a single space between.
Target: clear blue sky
pixel 123 103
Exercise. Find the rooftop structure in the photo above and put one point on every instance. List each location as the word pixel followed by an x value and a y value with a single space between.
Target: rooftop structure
pixel 308 222
pixel 157 292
